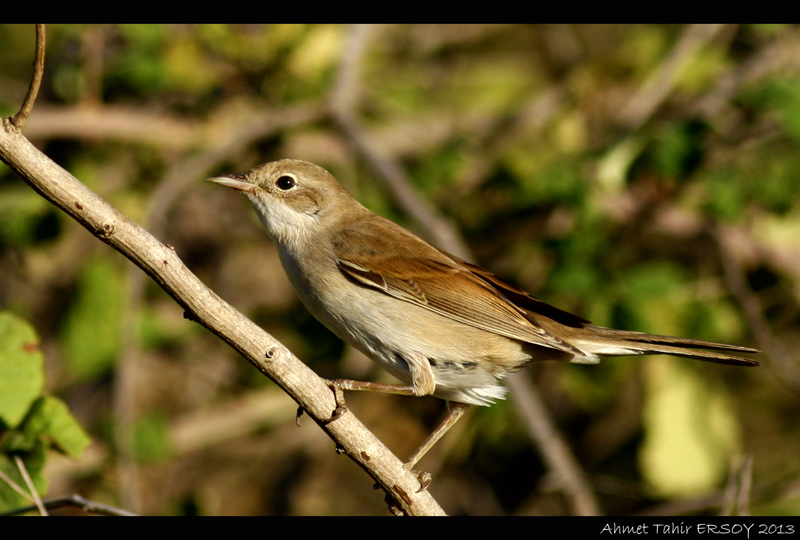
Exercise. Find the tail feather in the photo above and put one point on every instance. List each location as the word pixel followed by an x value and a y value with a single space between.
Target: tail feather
pixel 610 342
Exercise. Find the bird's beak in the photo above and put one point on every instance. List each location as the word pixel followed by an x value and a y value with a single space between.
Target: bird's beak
pixel 235 181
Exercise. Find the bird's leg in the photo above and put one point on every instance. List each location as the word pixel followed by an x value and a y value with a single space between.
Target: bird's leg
pixel 422 384
pixel 337 385
pixel 347 384
pixel 455 410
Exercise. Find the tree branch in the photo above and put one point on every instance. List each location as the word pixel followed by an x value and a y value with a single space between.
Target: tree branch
pixel 268 355
pixel 90 507
pixel 18 120
pixel 202 305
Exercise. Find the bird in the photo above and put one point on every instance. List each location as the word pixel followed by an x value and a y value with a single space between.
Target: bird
pixel 443 326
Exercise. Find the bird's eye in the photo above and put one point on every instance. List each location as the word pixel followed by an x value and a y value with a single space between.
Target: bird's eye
pixel 286 182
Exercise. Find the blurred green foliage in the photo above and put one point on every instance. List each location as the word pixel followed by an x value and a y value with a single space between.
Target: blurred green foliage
pixel 30 423
pixel 91 330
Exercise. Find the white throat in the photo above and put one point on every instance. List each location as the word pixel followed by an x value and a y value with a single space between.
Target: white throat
pixel 290 228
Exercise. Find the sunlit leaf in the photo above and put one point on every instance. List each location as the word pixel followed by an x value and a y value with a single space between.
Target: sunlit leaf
pixel 691 432
pixel 21 368
pixel 50 421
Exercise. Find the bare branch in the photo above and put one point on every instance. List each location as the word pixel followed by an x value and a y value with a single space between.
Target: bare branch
pixel 18 120
pixel 658 87
pixel 28 482
pixel 13 485
pixel 87 506
pixel 780 358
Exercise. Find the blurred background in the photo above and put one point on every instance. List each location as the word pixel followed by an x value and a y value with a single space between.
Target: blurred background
pixel 643 177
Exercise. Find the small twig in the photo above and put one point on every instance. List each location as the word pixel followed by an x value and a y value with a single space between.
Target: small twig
pixel 780 357
pixel 729 493
pixel 745 486
pixel 344 106
pixel 774 56
pixel 736 495
pixel 19 119
pixel 659 85
pixel 13 485
pixel 28 482
pixel 90 507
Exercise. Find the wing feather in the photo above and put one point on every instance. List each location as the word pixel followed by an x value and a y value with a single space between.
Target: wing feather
pixel 401 265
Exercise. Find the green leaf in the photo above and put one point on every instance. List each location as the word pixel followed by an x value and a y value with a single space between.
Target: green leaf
pixel 21 368
pixel 691 431
pixel 51 422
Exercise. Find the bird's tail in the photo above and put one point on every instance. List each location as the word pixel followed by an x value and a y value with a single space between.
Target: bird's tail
pixel 598 341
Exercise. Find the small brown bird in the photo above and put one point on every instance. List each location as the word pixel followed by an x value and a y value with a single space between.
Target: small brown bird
pixel 441 325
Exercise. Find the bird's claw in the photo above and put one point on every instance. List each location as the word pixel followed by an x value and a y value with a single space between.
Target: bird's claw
pixel 423 477
pixel 338 396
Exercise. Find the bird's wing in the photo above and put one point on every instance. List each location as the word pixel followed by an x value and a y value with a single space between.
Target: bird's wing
pixel 395 262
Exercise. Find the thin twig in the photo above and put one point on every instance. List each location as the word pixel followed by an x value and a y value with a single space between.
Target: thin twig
pixel 13 485
pixel 774 56
pixel 87 506
pixel 28 482
pixel 729 493
pixel 129 479
pixel 19 119
pixel 779 356
pixel 344 105
pixel 659 85
pixel 745 486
